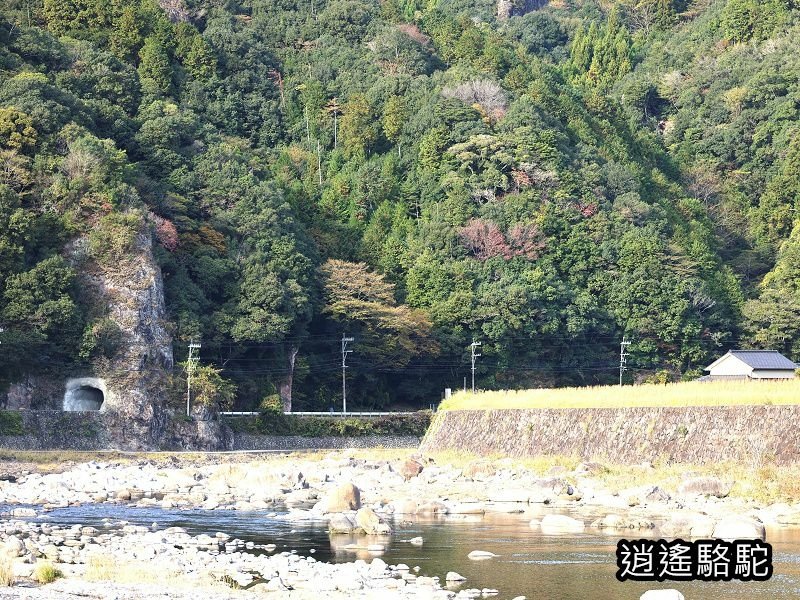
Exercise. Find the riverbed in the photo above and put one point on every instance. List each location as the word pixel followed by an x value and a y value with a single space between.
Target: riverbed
pixel 545 567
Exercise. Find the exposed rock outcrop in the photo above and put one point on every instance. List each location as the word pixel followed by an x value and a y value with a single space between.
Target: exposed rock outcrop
pixel 129 387
pixel 132 294
pixel 517 8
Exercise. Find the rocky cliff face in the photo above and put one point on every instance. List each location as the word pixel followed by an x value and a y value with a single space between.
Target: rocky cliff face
pixel 132 293
pixel 509 8
pixel 130 386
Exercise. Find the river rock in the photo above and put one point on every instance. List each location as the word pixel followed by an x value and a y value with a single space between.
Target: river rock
pixel 739 528
pixel 408 468
pixel 643 495
pixel 791 518
pixel 657 494
pixel 14 546
pixel 688 525
pixel 404 506
pixel 341 523
pixel 662 595
pixel 345 497
pixel 553 524
pixel 452 576
pixel 23 512
pixel 370 522
pixel 619 522
pixel 433 507
pixel 705 486
pixel 478 469
pixel 544 491
pixel 480 555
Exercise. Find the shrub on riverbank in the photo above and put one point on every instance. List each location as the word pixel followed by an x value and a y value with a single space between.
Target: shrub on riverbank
pixel 11 423
pixel 691 393
pixel 275 423
pixel 46 572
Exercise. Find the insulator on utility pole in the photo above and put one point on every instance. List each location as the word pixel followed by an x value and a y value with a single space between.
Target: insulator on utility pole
pixel 623 358
pixel 345 352
pixel 191 364
pixel 473 347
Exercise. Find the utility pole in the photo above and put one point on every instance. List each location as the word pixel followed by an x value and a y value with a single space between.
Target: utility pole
pixel 191 364
pixel 334 108
pixel 319 162
pixel 473 346
pixel 623 358
pixel 345 352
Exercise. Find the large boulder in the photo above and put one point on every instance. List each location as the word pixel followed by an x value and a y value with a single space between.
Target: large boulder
pixel 544 491
pixel 345 497
pixel 341 523
pixel 688 525
pixel 371 523
pixel 408 468
pixel 739 528
pixel 553 524
pixel 705 486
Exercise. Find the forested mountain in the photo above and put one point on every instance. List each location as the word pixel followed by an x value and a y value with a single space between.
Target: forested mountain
pixel 544 177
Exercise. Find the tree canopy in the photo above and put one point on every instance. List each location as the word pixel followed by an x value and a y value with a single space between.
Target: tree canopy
pixel 416 175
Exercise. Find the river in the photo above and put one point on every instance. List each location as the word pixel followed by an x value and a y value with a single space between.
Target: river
pixel 541 567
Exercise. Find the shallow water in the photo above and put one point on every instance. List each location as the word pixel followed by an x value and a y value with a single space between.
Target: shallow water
pixel 541 567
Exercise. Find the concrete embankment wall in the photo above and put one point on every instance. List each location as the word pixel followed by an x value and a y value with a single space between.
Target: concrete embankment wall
pixel 699 435
pixel 296 442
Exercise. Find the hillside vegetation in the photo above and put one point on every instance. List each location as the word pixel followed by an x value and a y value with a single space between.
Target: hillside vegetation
pixel 413 174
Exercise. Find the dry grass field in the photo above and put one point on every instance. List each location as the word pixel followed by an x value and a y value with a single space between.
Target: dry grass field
pixel 692 393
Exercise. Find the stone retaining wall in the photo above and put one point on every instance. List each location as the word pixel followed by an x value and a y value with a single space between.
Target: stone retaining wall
pixel 244 441
pixel 747 434
pixel 57 430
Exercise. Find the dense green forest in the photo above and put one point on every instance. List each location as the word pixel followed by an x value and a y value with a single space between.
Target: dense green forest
pixel 545 178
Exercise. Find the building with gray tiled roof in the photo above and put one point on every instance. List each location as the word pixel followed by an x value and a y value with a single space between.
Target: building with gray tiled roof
pixel 751 364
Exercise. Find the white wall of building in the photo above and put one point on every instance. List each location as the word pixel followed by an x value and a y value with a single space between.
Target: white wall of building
pixel 772 374
pixel 731 366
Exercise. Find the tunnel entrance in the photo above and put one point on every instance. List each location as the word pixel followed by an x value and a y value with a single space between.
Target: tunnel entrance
pixel 86 393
